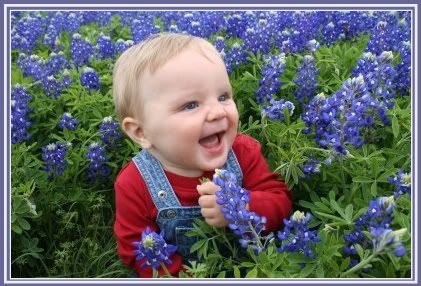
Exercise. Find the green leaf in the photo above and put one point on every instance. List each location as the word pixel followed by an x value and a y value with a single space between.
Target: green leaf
pixel 306 204
pixel 237 273
pixel 221 275
pixel 332 195
pixel 252 273
pixel 348 212
pixel 337 208
pixel 332 217
pixel 360 250
pixel 395 126
pixel 248 264
pixel 322 206
pixel 197 245
pixel 314 197
pixel 361 179
pixel 23 223
pixel 307 270
pixel 16 228
pixel 345 264
pixel 373 189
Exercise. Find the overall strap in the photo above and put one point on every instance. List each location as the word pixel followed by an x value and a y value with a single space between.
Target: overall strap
pixel 156 181
pixel 158 185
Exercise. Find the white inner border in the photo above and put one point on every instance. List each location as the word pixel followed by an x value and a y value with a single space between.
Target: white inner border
pixel 414 87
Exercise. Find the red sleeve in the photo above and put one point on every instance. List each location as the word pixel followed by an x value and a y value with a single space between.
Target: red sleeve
pixel 134 212
pixel 269 196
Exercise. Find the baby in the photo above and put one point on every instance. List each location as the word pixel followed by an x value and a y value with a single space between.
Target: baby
pixel 173 97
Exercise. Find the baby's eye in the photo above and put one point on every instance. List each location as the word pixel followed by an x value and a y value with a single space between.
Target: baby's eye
pixel 191 105
pixel 224 97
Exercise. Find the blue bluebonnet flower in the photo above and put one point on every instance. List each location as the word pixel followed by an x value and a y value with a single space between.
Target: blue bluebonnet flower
pixel 311 167
pixel 330 33
pixel 55 22
pixel 356 237
pixel 58 22
pixel 297 236
pixel 121 45
pixel 19 114
pixel 97 162
pixel 45 72
pixel 380 212
pixel 67 121
pixel 235 56
pixel 54 157
pixel 234 199
pixel 101 18
pixel 51 86
pixel 73 21
pixel 381 82
pixel 105 47
pixel 143 27
pixel 173 28
pixel 380 38
pixel 32 66
pixel 56 62
pixel 306 80
pixel 183 20
pixel 340 118
pixel 80 50
pixel 270 84
pixel 127 17
pixel 384 238
pixel 275 111
pixel 376 220
pixel 236 24
pixel 313 45
pixel 89 78
pixel 195 29
pixel 153 248
pixel 293 37
pixel 403 69
pixel 257 37
pixel 283 42
pixel 25 33
pixel 110 133
pixel 402 183
pixel 401 32
pixel 220 44
pixel 212 22
pixel 66 79
pixel 379 74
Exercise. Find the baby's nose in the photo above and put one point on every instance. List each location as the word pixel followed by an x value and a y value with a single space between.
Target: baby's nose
pixel 216 112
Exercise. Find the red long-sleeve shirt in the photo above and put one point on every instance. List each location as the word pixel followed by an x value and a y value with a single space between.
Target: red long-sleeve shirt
pixel 135 209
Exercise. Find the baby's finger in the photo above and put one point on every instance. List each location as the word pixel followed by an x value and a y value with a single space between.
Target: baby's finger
pixel 208 188
pixel 207 201
pixel 208 213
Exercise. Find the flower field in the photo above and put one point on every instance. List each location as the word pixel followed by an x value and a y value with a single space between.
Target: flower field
pixel 326 93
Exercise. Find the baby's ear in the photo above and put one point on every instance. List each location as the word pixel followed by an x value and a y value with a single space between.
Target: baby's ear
pixel 133 129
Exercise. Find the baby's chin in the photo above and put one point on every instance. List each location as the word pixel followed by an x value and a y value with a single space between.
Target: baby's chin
pixel 214 164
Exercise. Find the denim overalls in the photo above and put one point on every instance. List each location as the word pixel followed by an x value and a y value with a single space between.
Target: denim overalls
pixel 174 219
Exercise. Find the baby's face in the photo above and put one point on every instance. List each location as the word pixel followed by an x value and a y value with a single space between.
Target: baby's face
pixel 189 115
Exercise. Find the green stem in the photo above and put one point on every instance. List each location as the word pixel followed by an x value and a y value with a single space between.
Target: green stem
pixel 256 236
pixel 228 243
pixel 359 265
pixel 165 269
pixel 313 148
pixel 341 166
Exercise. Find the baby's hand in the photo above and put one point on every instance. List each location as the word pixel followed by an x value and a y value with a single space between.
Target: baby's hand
pixel 211 210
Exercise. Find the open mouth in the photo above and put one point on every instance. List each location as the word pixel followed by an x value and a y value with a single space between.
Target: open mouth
pixel 212 141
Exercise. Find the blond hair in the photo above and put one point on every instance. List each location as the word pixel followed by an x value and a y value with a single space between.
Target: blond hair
pixel 146 56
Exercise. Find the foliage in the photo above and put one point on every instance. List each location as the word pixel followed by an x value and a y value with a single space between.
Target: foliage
pixel 61 222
